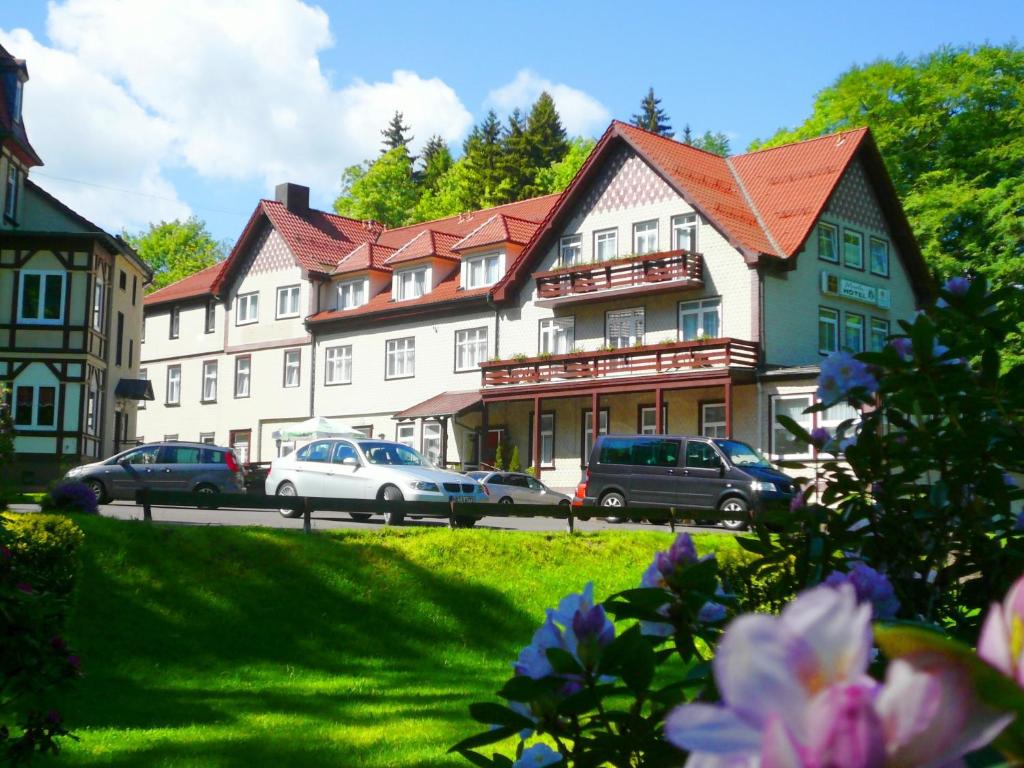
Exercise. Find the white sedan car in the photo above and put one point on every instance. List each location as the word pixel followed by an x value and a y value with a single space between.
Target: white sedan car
pixel 369 469
pixel 518 488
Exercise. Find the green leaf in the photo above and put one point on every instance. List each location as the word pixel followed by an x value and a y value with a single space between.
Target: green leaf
pixel 491 713
pixel 485 738
pixel 563 662
pixel 526 689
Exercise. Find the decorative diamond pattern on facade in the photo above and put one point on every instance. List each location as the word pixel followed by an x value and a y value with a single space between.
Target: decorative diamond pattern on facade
pixel 270 255
pixel 855 202
pixel 627 182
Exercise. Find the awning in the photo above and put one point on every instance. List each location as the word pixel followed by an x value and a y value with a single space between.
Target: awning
pixel 444 404
pixel 134 389
pixel 314 428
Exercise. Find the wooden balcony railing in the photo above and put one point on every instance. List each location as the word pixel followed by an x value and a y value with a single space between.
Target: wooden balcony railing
pixel 647 270
pixel 674 357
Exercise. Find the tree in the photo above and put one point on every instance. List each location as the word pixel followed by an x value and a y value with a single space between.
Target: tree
pixel 456 192
pixel 394 134
pixel 516 164
pixel 545 135
pixel 949 127
pixel 383 190
pixel 717 143
pixel 483 158
pixel 175 249
pixel 557 176
pixel 687 134
pixel 652 117
pixel 436 159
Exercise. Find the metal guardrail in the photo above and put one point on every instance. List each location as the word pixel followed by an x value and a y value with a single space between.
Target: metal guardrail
pixel 306 505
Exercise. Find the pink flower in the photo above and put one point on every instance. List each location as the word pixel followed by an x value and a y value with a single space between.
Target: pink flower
pixel 1001 643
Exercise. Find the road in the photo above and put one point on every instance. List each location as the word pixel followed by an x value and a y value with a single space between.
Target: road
pixel 333 520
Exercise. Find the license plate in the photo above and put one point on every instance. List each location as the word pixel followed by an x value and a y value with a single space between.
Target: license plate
pixel 463 499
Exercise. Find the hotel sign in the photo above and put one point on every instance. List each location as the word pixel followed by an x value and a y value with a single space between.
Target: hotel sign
pixel 834 285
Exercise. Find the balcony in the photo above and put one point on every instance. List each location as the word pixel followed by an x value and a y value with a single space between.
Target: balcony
pixel 650 273
pixel 709 356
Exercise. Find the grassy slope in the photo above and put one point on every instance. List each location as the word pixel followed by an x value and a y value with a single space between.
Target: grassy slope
pixel 250 647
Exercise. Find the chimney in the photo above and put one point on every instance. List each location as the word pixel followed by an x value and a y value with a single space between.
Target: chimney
pixel 294 197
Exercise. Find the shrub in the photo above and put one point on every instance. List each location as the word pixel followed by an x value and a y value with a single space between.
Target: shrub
pixel 44 549
pixel 513 463
pixel 71 496
pixel 499 455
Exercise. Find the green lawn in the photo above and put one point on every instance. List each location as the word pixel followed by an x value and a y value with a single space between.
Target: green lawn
pixel 249 647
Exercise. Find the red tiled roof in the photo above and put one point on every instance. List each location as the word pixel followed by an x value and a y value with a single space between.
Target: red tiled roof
pixel 199 284
pixel 442 404
pixel 426 243
pixel 365 256
pixel 500 228
pixel 446 290
pixel 318 239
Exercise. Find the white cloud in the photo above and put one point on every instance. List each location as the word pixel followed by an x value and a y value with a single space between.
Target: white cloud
pixel 231 89
pixel 581 113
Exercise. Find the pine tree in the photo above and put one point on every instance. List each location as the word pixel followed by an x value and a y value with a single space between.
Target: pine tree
pixel 437 159
pixel 499 455
pixel 713 142
pixel 513 464
pixel 687 135
pixel 394 134
pixel 516 168
pixel 483 156
pixel 545 136
pixel 652 117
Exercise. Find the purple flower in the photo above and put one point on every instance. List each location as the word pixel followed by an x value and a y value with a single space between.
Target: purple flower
pixel 711 613
pixel 957 286
pixel 820 436
pixel 58 644
pixel 660 575
pixel 841 374
pixel 798 502
pixel 23 586
pixel 904 347
pixel 1009 480
pixel 74 662
pixel 74 496
pixel 871 587
pixel 53 716
pixel 537 756
pixel 1020 522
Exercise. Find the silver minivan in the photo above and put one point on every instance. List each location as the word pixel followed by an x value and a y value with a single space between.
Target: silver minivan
pixel 172 466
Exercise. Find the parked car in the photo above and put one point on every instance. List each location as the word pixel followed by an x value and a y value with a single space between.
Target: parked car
pixel 518 488
pixel 691 473
pixel 370 469
pixel 170 466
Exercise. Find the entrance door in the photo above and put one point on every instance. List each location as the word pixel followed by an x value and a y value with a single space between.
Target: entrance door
pixel 494 437
pixel 240 440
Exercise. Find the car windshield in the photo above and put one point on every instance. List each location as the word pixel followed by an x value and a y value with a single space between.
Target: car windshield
pixel 393 453
pixel 742 455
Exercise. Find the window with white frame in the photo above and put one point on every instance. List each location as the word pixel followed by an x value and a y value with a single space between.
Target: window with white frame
pixel 209 381
pixel 624 327
pixel 338 363
pixel 645 237
pixel 97 304
pixel 470 348
pixel 853 249
pixel 570 250
pixel 292 367
pixel 11 202
pixel 700 319
pixel 834 417
pixel 410 284
pixel 684 232
pixel 879 334
pixel 209 317
pixel 853 332
pixel 352 294
pixel 431 441
pixel 207 438
pixel 712 420
pixel 175 326
pixel 606 244
pixel 588 432
pixel 92 409
pixel 288 301
pixel 879 257
pixel 648 423
pixel 478 271
pixel 828 242
pixel 243 376
pixel 784 444
pixel 247 308
pixel 35 406
pixel 557 335
pixel 547 439
pixel 173 385
pixel 828 330
pixel 143 376
pixel 401 358
pixel 406 434
pixel 41 298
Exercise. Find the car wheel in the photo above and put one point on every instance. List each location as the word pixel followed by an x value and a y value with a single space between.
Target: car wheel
pixel 287 489
pixel 464 521
pixel 360 517
pixel 207 490
pixel 391 493
pixel 735 513
pixel 563 503
pixel 96 486
pixel 505 500
pixel 613 500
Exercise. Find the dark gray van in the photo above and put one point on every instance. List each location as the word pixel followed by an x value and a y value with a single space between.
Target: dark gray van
pixel 693 474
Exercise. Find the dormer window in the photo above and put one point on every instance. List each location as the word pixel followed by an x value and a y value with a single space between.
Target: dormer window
pixel 351 294
pixel 16 107
pixel 482 270
pixel 411 284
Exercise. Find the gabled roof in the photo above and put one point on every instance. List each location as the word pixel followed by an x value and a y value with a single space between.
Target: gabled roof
pixel 365 256
pixel 428 243
pixel 12 132
pixel 500 228
pixel 195 285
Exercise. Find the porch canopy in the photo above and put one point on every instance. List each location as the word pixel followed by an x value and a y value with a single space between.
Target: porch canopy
pixel 313 428
pixel 134 389
pixel 443 405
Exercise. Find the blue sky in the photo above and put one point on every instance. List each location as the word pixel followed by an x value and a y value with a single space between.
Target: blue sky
pixel 196 106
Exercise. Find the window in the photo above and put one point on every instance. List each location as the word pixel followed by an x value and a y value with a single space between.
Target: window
pixel 700 319
pixel 122 280
pixel 624 328
pixel 700 455
pixel 351 294
pixel 210 317
pixel 92 410
pixel 207 438
pixel 288 301
pixel 557 335
pixel 11 203
pixel 570 250
pixel 35 406
pixel 173 384
pixel 292 369
pixel 405 434
pixel 143 376
pixel 175 322
pixel 606 244
pixel 547 439
pixel 684 232
pixel 853 333
pixel 646 421
pixel 131 352
pixel 645 237
pixel 338 365
pixel 793 406
pixel 879 334
pixel 712 420
pixel 828 242
pixel 587 442
pixel 120 338
pixel 317 452
pixel 97 304
pixel 879 257
pixel 135 288
pixel 828 330
pixel 243 376
pixel 411 284
pixel 248 309
pixel 343 451
pixel 209 381
pixel 853 249
pixel 366 430
pixel 42 297
pixel 16 110
pixel 479 271
pixel 470 348
pixel 431 441
pixel 642 452
pixel 401 358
